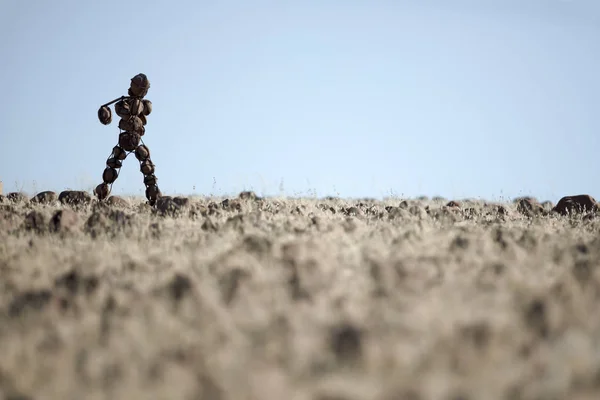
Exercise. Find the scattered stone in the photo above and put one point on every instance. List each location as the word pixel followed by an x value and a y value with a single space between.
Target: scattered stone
pixel 181 201
pixel 63 221
pixel 35 222
pixel 231 205
pixel 17 197
pixel 167 205
pixel 248 195
pixel 47 197
pixel 75 197
pixel 576 204
pixel 117 201
pixel 529 207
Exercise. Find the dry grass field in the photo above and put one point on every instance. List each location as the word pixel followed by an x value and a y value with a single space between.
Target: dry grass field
pixel 304 299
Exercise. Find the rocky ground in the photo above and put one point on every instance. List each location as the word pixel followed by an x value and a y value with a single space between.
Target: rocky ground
pixel 316 299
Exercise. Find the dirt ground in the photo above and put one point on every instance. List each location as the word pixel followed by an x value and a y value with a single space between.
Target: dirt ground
pixel 304 299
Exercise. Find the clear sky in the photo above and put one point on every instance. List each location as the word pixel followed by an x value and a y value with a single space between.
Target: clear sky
pixel 481 99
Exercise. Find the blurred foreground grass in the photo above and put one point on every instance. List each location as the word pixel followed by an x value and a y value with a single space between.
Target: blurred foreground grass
pixel 298 299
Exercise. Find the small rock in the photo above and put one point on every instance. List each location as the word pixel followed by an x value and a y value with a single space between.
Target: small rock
pixel 531 199
pixel 181 201
pixel 167 205
pixel 117 201
pixel 453 204
pixel 75 197
pixel 231 205
pixel 47 197
pixel 248 195
pixel 17 197
pixel 576 204
pixel 529 207
pixel 63 221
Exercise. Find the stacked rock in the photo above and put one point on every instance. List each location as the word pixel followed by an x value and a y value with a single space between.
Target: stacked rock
pixel 133 111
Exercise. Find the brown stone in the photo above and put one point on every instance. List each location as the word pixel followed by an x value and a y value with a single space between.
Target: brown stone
pixel 247 195
pixel 116 201
pixel 75 197
pixel 142 152
pixel 46 197
pixel 529 207
pixel 167 205
pixel 576 204
pixel 453 204
pixel 17 197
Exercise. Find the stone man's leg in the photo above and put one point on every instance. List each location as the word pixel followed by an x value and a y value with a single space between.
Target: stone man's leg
pixel 142 153
pixel 111 172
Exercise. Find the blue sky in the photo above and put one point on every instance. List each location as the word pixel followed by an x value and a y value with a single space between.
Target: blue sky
pixel 482 99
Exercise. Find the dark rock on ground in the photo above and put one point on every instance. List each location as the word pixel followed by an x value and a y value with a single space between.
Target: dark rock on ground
pixel 117 201
pixel 17 197
pixel 532 199
pixel 453 203
pixel 529 207
pixel 46 197
pixel 75 197
pixel 231 205
pixel 167 205
pixel 248 195
pixel 576 204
